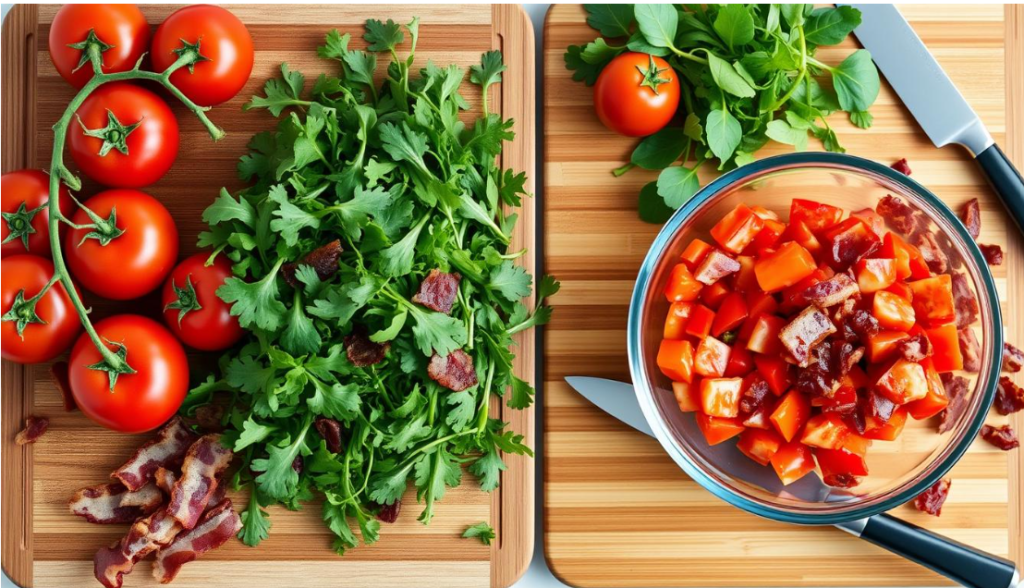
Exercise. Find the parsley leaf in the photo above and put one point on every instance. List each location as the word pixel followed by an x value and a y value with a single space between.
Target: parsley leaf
pixel 482 531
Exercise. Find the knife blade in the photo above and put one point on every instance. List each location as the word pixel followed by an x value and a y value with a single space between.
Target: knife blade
pixel 614 398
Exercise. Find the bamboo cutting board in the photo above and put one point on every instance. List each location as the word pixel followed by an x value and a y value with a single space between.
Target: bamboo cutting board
pixel 43 545
pixel 617 511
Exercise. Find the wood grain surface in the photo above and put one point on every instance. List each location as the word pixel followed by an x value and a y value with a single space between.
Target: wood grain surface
pixel 43 545
pixel 617 511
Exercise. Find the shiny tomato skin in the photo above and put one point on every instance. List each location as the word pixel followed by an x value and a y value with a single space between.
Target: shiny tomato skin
pixel 40 342
pixel 152 146
pixel 31 186
pixel 210 327
pixel 121 25
pixel 141 401
pixel 223 40
pixel 132 264
pixel 629 108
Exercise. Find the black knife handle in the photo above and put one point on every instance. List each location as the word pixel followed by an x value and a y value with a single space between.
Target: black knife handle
pixel 1006 181
pixel 958 562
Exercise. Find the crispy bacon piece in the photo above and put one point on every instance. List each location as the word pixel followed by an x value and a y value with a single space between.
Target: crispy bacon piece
pixel 438 290
pixel 205 460
pixel 964 301
pixel 167 449
pixel 1013 358
pixel 362 352
pixel 970 349
pixel 113 503
pixel 902 166
pixel 1003 437
pixel 218 525
pixel 59 373
pixel 323 260
pixel 993 254
pixel 165 479
pixel 145 536
pixel 1009 397
pixel 716 265
pixel 802 334
pixel 754 395
pixel 455 372
pixel 832 291
pixel 880 407
pixel 956 391
pixel 931 252
pixel 841 480
pixel 863 323
pixel 388 513
pixel 898 215
pixel 34 429
pixel 932 499
pixel 330 430
pixel 915 348
pixel 970 214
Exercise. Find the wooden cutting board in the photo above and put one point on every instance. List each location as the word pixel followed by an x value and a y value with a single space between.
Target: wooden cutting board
pixel 617 511
pixel 43 545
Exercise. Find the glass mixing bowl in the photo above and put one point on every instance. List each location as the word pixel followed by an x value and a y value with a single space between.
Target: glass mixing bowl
pixel 899 470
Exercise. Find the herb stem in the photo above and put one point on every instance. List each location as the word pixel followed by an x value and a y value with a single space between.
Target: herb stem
pixel 800 76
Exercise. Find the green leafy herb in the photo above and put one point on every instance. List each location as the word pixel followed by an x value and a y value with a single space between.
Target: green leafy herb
pixel 482 531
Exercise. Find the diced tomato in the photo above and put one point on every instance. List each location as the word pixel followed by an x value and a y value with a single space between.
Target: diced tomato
pixel 767 237
pixel 901 289
pixel 840 461
pixel 815 215
pixel 701 318
pixel 711 358
pixel 826 430
pixel 695 253
pixel 909 262
pixel 775 371
pixel 764 213
pixel 849 241
pixel 936 400
pixel 793 297
pixel 855 443
pixel 904 381
pixel 946 356
pixel 687 396
pixel 883 344
pixel 787 266
pixel 741 361
pixel 761 418
pixel 675 359
pixel 730 315
pixel 800 233
pixel 871 218
pixel 714 294
pixel 737 229
pixel 887 431
pixel 681 286
pixel 759 445
pixel 874 274
pixel 744 280
pixel 758 303
pixel 720 397
pixel 844 397
pixel 718 429
pixel 790 414
pixel 933 300
pixel 675 322
pixel 892 311
pixel 764 337
pixel 793 461
pixel 858 379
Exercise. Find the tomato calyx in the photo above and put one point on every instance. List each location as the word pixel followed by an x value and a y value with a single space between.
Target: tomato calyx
pixel 114 368
pixel 186 300
pixel 19 223
pixel 103 230
pixel 114 135
pixel 191 52
pixel 23 312
pixel 652 75
pixel 92 48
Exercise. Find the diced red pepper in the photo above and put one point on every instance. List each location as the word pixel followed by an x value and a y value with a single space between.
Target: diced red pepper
pixel 675 359
pixel 858 444
pixel 687 396
pixel 871 218
pixel 892 311
pixel 874 274
pixel 758 303
pixel 695 253
pixel 730 315
pixel 768 237
pixel 717 429
pixel 834 462
pixel 793 297
pixel 764 337
pixel 764 213
pixel 902 289
pixel 675 322
pixel 744 280
pixel 701 318
pixel 741 361
pixel 946 356
pixel 802 234
pixel 848 242
pixel 936 400
pixel 933 300
pixel 711 358
pixel 843 400
pixel 681 286
pixel 815 215
pixel 790 414
pixel 775 371
pixel 793 461
pixel 889 430
pixel 714 294
pixel 904 381
pixel 720 397
pixel 783 268
pixel 883 344
pixel 761 418
pixel 737 229
pixel 826 430
pixel 759 445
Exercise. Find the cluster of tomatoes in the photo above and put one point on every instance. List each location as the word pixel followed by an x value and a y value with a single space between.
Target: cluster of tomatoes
pixel 121 243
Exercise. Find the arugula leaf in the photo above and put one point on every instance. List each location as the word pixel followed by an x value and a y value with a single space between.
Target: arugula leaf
pixel 678 184
pixel 482 531
pixel 278 478
pixel 856 81
pixel 728 78
pixel 337 401
pixel 734 25
pixel 611 20
pixel 437 332
pixel 830 26
pixel 658 23
pixel 781 131
pixel 661 149
pixel 724 133
pixel 488 468
pixel 510 281
pixel 254 303
pixel 226 208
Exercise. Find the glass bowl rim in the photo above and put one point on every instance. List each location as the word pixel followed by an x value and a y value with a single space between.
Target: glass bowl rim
pixel 645 394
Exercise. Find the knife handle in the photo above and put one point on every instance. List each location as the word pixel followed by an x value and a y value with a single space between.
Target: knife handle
pixel 1006 181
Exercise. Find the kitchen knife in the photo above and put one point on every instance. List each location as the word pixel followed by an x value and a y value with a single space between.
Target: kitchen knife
pixel 938 106
pixel 961 563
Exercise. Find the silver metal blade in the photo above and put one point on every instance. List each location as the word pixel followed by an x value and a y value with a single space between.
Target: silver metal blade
pixel 911 70
pixel 615 398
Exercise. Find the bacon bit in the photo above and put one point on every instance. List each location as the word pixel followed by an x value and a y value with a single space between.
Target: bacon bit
pixel 1009 397
pixel 815 381
pixel 871 219
pixel 970 349
pixel 330 430
pixel 964 301
pixel 716 265
pixel 455 372
pixel 113 503
pixel 847 357
pixel 864 324
pixel 1013 358
pixel 993 254
pixel 970 214
pixel 754 396
pixel 1002 437
pixel 880 407
pixel 206 459
pixel 805 332
pixel 217 526
pixel 897 214
pixel 34 429
pixel 362 352
pixel 167 450
pixel 956 391
pixel 831 292
pixel 165 479
pixel 915 348
pixel 388 513
pixel 931 252
pixel 841 480
pixel 932 499
pixel 323 260
pixel 902 166
pixel 438 290
pixel 59 373
pixel 145 536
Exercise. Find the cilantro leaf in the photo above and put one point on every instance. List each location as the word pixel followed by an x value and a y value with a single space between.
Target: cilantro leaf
pixel 482 531
pixel 254 303
pixel 437 332
pixel 255 522
pixel 383 36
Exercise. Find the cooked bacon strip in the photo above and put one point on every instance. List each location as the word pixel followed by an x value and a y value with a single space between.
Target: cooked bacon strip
pixel 145 536
pixel 323 260
pixel 166 449
pixel 165 479
pixel 206 459
pixel 59 373
pixel 217 526
pixel 34 429
pixel 802 334
pixel 932 499
pixel 956 391
pixel 970 214
pixel 113 503
pixel 1013 358
pixel 898 215
pixel 931 252
pixel 1009 397
pixel 832 291
pixel 438 291
pixel 1003 437
pixel 362 352
pixel 455 372
pixel 993 254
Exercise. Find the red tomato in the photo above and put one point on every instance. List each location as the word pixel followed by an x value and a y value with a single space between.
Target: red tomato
pixel 123 156
pixel 140 401
pixel 137 260
pixel 636 94
pixel 221 38
pixel 192 309
pixel 121 26
pixel 31 188
pixel 39 341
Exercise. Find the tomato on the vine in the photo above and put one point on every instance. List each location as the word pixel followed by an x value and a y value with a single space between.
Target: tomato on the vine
pixel 46 328
pixel 25 227
pixel 192 309
pixel 636 94
pixel 132 247
pixel 120 27
pixel 222 40
pixel 142 399
pixel 125 136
